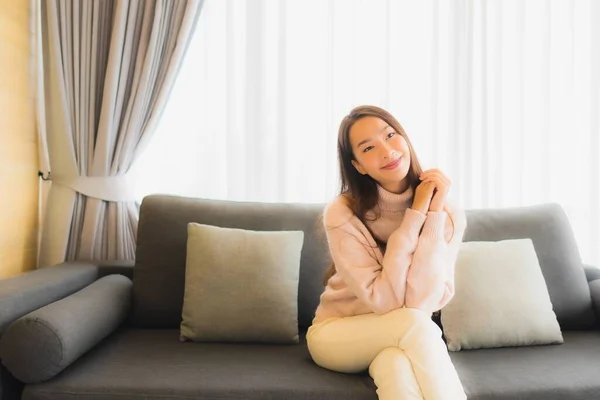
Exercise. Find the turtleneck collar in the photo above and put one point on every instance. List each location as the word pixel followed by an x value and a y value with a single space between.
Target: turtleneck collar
pixel 394 203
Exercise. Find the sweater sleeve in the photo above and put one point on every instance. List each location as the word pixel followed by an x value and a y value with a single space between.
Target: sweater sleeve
pixel 381 287
pixel 430 280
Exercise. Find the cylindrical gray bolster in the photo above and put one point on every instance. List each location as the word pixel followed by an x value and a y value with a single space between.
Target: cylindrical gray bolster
pixel 42 343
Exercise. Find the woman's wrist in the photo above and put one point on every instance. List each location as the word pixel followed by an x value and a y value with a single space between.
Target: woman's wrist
pixel 434 225
pixel 420 210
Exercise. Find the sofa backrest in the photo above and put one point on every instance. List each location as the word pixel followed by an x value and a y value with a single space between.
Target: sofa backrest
pixel 159 278
pixel 158 284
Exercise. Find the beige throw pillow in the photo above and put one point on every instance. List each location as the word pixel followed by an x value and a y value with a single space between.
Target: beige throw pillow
pixel 241 285
pixel 501 298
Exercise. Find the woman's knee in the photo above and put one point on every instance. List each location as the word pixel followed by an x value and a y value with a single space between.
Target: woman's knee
pixel 391 360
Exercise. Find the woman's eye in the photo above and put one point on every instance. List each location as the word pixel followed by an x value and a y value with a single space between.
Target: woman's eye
pixel 389 135
pixel 367 149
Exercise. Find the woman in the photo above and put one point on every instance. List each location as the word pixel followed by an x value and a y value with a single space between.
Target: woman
pixel 394 239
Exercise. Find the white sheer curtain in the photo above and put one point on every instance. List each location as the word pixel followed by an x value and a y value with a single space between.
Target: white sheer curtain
pixel 502 95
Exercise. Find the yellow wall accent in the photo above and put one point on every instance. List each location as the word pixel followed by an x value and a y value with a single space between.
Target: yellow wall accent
pixel 18 142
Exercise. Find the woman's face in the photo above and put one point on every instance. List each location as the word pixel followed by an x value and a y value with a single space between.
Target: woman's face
pixel 380 152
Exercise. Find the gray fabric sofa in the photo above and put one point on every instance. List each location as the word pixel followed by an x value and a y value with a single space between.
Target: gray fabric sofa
pixel 86 330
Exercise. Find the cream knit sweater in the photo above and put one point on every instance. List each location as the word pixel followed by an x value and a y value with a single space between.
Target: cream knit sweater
pixel 416 271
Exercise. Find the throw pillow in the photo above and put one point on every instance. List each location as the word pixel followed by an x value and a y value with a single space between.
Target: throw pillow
pixel 241 285
pixel 501 298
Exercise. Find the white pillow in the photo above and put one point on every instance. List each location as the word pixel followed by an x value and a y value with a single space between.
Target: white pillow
pixel 501 298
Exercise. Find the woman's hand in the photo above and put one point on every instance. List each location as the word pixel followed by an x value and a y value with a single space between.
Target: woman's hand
pixel 442 187
pixel 423 197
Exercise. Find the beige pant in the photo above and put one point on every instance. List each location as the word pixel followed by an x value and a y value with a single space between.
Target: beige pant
pixel 403 350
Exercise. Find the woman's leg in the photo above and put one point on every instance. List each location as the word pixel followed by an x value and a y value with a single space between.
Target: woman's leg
pixel 393 375
pixel 351 344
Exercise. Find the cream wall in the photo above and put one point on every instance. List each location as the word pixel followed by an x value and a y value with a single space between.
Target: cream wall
pixel 18 143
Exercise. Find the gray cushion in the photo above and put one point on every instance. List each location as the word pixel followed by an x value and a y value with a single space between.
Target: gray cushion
pixel 241 285
pixel 24 293
pixel 567 371
pixel 548 227
pixel 42 343
pixel 161 251
pixel 143 364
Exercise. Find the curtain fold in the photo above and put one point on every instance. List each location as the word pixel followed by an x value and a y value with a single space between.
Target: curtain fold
pixel 108 68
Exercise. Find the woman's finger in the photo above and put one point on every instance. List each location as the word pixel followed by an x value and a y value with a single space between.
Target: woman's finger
pixel 438 180
pixel 437 176
pixel 435 172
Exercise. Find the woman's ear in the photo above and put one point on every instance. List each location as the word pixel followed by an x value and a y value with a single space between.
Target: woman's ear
pixel 359 167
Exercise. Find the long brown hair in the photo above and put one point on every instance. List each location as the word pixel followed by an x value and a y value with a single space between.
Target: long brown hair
pixel 361 190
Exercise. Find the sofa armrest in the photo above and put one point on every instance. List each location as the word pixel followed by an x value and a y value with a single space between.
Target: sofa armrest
pixel 593 277
pixel 24 293
pixel 39 345
pixel 10 388
pixel 595 292
pixel 121 267
pixel 591 273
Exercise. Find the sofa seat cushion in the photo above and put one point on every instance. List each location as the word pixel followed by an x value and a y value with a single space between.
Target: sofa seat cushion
pixel 567 371
pixel 136 364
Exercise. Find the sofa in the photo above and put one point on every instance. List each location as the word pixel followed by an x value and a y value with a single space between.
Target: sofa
pixel 110 330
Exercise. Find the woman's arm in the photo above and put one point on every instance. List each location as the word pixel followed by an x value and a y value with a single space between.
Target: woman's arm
pixel 353 250
pixel 430 280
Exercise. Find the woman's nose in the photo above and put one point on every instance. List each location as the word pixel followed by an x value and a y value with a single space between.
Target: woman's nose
pixel 388 152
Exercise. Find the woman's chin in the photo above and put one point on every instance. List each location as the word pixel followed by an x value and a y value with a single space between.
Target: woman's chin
pixel 395 175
